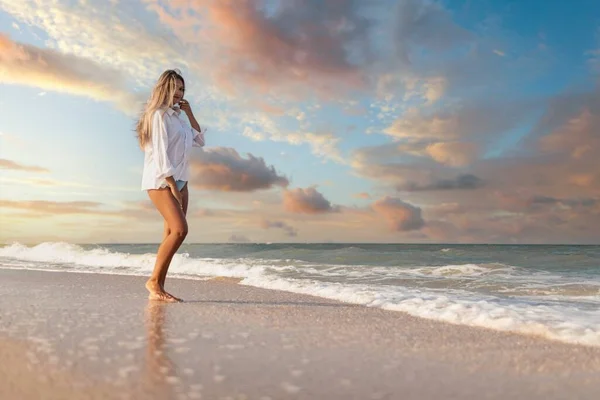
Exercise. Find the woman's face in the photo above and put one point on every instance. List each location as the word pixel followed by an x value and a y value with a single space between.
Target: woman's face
pixel 179 91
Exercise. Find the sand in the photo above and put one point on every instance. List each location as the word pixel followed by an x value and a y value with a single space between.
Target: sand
pixel 78 336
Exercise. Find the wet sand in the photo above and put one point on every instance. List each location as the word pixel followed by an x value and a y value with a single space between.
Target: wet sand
pixel 77 336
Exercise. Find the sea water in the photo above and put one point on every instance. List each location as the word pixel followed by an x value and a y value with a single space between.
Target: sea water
pixel 546 290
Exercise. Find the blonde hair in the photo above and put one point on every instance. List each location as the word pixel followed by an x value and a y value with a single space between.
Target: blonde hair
pixel 161 97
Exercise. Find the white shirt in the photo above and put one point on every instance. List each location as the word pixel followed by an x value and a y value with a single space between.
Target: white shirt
pixel 170 148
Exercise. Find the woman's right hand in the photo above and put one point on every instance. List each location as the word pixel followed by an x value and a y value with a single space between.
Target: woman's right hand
pixel 177 194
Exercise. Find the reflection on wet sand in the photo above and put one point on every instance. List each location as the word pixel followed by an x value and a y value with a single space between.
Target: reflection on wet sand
pixel 160 371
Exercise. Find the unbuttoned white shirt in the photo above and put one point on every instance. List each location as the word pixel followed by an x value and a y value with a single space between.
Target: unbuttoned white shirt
pixel 169 150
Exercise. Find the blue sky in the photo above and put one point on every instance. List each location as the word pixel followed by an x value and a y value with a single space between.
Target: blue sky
pixel 374 115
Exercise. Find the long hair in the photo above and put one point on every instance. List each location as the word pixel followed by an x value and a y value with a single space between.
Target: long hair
pixel 161 97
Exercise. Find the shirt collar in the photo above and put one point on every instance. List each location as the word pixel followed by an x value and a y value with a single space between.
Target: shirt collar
pixel 173 110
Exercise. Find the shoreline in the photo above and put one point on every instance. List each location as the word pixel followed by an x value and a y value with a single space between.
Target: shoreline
pixel 238 340
pixel 540 332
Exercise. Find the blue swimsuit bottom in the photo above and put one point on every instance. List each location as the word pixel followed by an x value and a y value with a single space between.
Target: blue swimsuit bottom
pixel 180 184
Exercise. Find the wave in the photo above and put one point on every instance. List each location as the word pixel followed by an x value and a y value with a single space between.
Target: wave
pixel 567 319
pixel 464 270
pixel 557 322
pixel 74 258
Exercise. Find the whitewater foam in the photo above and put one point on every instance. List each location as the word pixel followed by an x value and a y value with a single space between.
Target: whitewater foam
pixel 561 323
pixel 462 270
pixel 523 301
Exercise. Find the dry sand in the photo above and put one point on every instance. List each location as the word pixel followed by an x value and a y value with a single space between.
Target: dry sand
pixel 78 336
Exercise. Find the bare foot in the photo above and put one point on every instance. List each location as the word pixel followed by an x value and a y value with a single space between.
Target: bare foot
pixel 173 297
pixel 161 296
pixel 162 287
pixel 157 293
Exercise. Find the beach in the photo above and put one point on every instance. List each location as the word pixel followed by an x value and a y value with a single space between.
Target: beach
pixel 88 335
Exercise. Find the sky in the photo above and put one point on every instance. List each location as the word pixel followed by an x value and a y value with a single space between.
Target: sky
pixel 391 121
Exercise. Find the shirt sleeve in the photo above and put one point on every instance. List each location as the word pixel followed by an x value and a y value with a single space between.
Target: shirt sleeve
pixel 198 137
pixel 160 143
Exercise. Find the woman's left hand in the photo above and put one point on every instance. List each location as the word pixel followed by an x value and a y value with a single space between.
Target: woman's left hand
pixel 185 106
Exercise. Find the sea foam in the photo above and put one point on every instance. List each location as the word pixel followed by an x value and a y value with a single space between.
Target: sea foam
pixel 567 318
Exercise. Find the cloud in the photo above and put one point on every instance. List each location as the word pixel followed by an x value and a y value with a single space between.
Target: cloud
pixel 442 231
pixel 593 55
pixel 289 230
pixel 461 182
pixel 462 140
pixel 537 219
pixel 12 165
pixel 259 126
pixel 362 195
pixel 469 120
pixel 445 209
pixel 425 24
pixel 223 169
pixel 296 42
pixel 237 238
pixel 576 202
pixel 559 154
pixel 306 201
pixel 91 190
pixel 303 48
pixel 403 167
pixel 594 60
pixel 125 40
pixel 43 208
pixel 542 203
pixel 577 137
pixel 453 154
pixel 260 55
pixel 48 69
pixel 431 89
pixel 324 144
pixel 366 164
pixel 401 216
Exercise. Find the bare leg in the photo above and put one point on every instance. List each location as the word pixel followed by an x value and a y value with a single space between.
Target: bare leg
pixel 163 276
pixel 166 232
pixel 168 207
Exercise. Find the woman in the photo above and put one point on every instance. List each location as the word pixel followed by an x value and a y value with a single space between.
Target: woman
pixel 167 141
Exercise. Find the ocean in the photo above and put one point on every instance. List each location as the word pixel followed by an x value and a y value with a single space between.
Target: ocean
pixel 546 290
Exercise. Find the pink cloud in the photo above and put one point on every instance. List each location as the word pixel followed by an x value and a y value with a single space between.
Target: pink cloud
pixel 223 169
pixel 298 43
pixel 9 164
pixel 578 136
pixel 306 201
pixel 24 64
pixel 248 45
pixel 43 208
pixel 362 195
pixel 466 121
pixel 453 154
pixel 288 229
pixel 401 216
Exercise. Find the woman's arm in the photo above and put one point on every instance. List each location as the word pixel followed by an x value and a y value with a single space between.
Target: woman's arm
pixel 199 133
pixel 193 121
pixel 187 109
